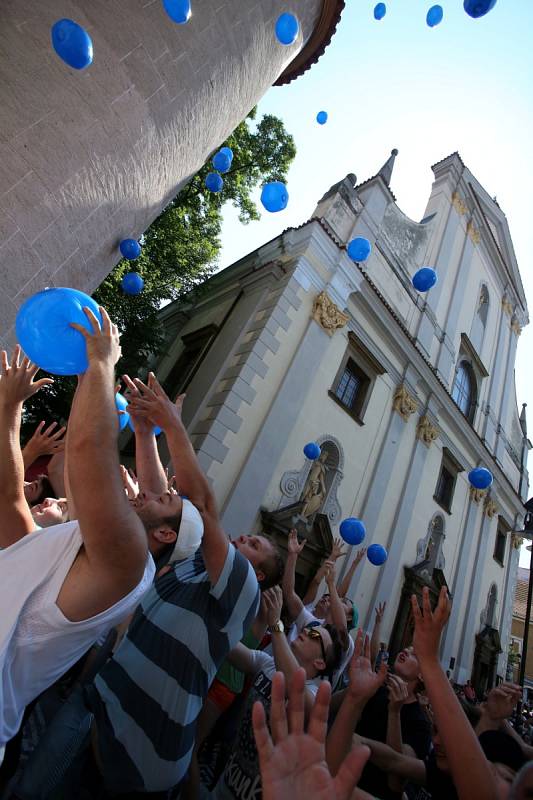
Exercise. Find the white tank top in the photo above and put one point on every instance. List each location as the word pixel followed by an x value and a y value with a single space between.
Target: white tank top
pixel 38 643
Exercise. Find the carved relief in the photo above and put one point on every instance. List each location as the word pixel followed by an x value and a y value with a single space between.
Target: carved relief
pixel 490 509
pixel 403 403
pixel 515 326
pixel 477 495
pixel 516 541
pixel 507 306
pixel 327 315
pixel 459 204
pixel 426 431
pixel 473 232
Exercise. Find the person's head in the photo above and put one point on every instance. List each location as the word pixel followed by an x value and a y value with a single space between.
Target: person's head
pixel 173 525
pixel 406 666
pixel 322 610
pixel 52 511
pixel 264 557
pixel 37 490
pixel 318 650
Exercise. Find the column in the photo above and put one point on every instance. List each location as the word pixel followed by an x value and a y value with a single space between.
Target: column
pixel 459 584
pixel 508 392
pixel 491 409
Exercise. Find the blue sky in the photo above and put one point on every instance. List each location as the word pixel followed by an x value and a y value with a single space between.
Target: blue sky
pixel 465 85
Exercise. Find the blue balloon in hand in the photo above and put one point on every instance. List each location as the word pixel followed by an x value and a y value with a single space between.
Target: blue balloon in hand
pixel 287 29
pixel 130 249
pixel 214 182
pixel 156 430
pixel 379 11
pixel 122 404
pixel 72 43
pixel 322 117
pixel 132 283
pixel 478 8
pixel 178 10
pixel 424 279
pixel 221 161
pixel 312 451
pixel 434 16
pixel 45 334
pixel 274 196
pixel 359 249
pixel 480 478
pixel 376 554
pixel 352 530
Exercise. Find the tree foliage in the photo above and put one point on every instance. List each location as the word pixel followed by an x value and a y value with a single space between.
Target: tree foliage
pixel 179 251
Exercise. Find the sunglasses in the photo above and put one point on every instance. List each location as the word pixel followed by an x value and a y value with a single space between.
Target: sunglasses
pixel 313 633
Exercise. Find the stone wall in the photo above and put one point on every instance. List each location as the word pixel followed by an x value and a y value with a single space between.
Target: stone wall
pixel 89 158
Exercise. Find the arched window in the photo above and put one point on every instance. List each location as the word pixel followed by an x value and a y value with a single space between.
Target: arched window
pixel 464 389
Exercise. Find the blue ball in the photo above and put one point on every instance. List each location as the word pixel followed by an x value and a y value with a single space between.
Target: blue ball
pixel 72 43
pixel 44 331
pixel 214 182
pixel 480 478
pixel 130 249
pixel 434 16
pixel 359 249
pixel 122 404
pixel 352 530
pixel 287 29
pixel 221 161
pixel 274 196
pixel 312 451
pixel 376 554
pixel 379 11
pixel 132 283
pixel 178 10
pixel 156 430
pixel 478 8
pixel 424 279
pixel 322 117
pixel 228 151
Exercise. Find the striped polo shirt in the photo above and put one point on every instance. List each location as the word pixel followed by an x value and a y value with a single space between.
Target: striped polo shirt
pixel 149 695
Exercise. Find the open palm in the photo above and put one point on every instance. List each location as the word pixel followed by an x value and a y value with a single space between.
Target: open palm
pixel 293 766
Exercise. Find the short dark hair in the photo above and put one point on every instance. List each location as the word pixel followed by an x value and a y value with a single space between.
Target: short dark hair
pixel 333 653
pixel 272 567
pixel 47 490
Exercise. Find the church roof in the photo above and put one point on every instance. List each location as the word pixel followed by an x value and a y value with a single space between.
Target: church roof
pixel 316 45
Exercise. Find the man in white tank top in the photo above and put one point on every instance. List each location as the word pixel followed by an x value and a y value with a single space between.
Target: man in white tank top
pixel 64 585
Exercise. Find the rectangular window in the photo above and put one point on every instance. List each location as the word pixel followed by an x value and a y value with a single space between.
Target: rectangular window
pixel 353 383
pixel 499 547
pixel 445 488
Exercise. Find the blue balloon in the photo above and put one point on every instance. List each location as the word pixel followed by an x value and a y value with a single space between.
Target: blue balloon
pixel 434 16
pixel 221 161
pixel 359 249
pixel 379 11
pixel 228 151
pixel 287 29
pixel 156 430
pixel 72 43
pixel 322 117
pixel 352 530
pixel 178 10
pixel 274 196
pixel 44 331
pixel 122 404
pixel 424 279
pixel 312 451
pixel 130 249
pixel 478 8
pixel 214 182
pixel 132 283
pixel 480 478
pixel 376 554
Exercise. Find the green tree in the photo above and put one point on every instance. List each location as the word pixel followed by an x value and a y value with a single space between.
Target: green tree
pixel 179 251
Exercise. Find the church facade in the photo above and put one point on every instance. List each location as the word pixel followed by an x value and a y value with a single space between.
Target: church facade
pixel 404 392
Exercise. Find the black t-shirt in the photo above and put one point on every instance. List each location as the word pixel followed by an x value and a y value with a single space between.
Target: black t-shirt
pixel 416 732
pixel 438 783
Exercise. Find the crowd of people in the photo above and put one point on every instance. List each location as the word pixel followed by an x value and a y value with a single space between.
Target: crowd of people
pixel 145 654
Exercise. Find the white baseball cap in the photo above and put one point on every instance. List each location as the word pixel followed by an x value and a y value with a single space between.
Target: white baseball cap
pixel 190 533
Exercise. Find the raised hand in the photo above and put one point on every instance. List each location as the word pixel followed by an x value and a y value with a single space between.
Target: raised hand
pixel 16 381
pixel 359 556
pixel 502 700
pixel 398 692
pixel 131 484
pixel 273 603
pixel 379 611
pixel 329 575
pixel 293 762
pixel 293 546
pixel 45 442
pixel 364 681
pixel 429 624
pixel 152 402
pixel 337 550
pixel 103 341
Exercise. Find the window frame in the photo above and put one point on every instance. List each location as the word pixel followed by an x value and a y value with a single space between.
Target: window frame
pixel 465 365
pixel 453 467
pixel 368 367
pixel 501 537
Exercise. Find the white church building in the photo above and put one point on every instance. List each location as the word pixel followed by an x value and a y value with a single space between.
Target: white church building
pixel 404 392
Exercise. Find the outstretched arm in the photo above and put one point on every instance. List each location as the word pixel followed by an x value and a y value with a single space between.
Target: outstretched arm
pixel 338 615
pixel 16 385
pixel 150 472
pixel 388 760
pixel 344 586
pixel 293 603
pixel 44 442
pixel 312 589
pixel 154 405
pixel 376 633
